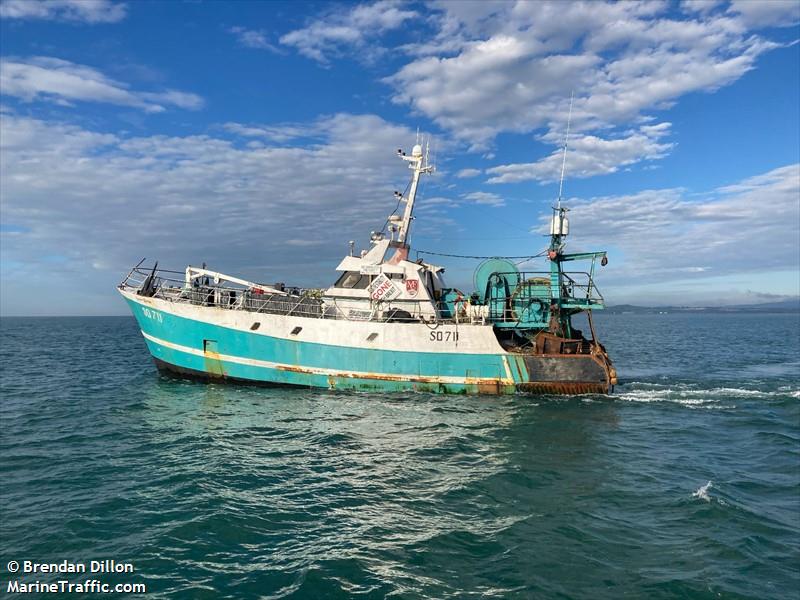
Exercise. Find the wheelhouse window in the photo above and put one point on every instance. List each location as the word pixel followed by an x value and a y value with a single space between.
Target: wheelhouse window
pixel 352 280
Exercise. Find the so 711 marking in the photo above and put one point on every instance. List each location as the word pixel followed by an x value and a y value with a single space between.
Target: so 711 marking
pixel 444 336
pixel 152 314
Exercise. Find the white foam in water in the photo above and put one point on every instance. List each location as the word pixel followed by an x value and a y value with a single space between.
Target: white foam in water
pixel 787 389
pixel 688 395
pixel 702 492
pixel 737 392
pixel 665 395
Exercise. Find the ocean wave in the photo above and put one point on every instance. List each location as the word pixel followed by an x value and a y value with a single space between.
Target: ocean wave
pixel 692 395
pixel 695 399
pixel 702 492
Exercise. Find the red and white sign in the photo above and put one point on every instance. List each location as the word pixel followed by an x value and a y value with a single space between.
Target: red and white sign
pixel 412 287
pixel 382 288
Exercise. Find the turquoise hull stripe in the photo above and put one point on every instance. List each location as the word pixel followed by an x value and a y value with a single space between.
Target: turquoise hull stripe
pixel 427 368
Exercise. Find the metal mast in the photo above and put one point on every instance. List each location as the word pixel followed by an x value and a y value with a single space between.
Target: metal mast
pixel 564 158
pixel 419 165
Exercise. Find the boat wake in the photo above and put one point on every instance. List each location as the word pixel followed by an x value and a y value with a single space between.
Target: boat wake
pixel 694 396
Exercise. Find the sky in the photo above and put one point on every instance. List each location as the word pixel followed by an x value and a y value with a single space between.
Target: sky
pixel 261 137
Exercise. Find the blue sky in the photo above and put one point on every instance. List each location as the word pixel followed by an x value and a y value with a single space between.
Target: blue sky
pixel 260 137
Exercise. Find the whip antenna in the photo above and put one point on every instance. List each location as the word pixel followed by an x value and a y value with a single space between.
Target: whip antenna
pixel 564 159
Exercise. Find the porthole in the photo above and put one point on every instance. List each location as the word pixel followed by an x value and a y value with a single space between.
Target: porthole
pixel 371 337
pixel 296 330
pixel 255 326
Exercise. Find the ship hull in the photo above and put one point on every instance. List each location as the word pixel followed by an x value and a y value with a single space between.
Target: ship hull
pixel 218 344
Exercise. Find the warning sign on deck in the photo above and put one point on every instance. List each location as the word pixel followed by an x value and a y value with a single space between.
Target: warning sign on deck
pixel 383 289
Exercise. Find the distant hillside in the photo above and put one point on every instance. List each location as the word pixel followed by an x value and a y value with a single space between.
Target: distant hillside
pixel 784 306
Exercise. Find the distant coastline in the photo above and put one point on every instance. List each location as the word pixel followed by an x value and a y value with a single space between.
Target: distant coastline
pixel 784 306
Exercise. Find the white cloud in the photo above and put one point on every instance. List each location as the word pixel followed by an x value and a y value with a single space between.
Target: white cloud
pixel 175 98
pixel 700 6
pixel 272 212
pixel 349 28
pixel 511 66
pixel 437 201
pixel 61 81
pixel 786 179
pixel 590 155
pixel 488 198
pixel 285 212
pixel 251 38
pixel 766 13
pixel 490 87
pixel 87 11
pixel 628 64
pixel 276 133
pixel 669 234
pixel 467 173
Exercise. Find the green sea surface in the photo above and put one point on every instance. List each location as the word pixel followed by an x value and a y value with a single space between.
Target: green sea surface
pixel 685 483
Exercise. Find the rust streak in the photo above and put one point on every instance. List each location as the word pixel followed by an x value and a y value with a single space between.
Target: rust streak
pixel 493 383
pixel 557 387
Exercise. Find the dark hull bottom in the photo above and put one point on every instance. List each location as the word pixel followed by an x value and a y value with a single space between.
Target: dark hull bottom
pixel 564 388
pixel 567 374
pixel 537 388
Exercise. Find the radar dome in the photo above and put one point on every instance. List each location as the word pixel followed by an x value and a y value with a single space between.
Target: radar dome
pixel 416 150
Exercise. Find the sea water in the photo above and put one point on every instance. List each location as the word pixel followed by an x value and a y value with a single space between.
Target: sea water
pixel 685 483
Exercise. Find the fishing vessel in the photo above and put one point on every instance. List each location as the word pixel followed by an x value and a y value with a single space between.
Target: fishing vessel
pixel 387 323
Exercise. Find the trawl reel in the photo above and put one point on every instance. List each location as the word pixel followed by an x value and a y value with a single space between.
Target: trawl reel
pixel 511 300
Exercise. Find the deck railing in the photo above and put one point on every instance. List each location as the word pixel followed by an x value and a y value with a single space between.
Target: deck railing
pixel 514 296
pixel 280 299
pixel 288 300
pixel 172 286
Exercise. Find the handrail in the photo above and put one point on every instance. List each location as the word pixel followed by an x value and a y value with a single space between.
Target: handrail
pixel 295 301
pixel 309 302
pixel 570 282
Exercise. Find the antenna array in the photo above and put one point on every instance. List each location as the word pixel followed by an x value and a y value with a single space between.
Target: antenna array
pixel 564 159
